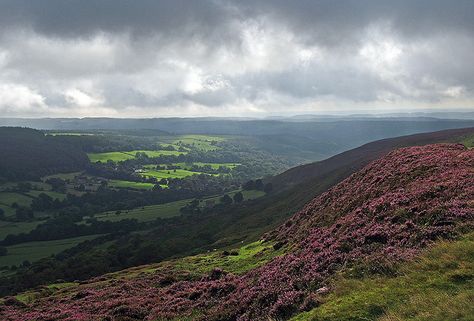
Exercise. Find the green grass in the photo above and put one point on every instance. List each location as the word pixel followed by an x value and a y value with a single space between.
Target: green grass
pixel 111 156
pixel 469 141
pixel 9 211
pixel 123 156
pixel 250 195
pixel 16 227
pixel 129 184
pixel 243 259
pixel 71 134
pixel 438 286
pixel 201 142
pixel 10 198
pixel 33 251
pixel 30 296
pixel 164 173
pixel 147 213
pixel 152 212
pixel 52 194
pixel 64 176
pixel 213 165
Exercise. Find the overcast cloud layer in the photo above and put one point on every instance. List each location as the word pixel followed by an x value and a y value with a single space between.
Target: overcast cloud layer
pixel 147 58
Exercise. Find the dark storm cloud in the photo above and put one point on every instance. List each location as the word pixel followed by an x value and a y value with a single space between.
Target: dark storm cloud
pixel 76 18
pixel 81 56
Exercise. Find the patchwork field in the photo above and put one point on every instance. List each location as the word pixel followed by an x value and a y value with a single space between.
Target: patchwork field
pixel 33 251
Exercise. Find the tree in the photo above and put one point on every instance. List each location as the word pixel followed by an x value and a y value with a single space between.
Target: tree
pixel 250 185
pixel 2 214
pixel 259 184
pixel 57 184
pixel 238 197
pixel 3 251
pixel 226 199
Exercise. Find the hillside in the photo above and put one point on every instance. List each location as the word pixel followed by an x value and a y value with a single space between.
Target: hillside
pixel 383 214
pixel 27 154
pixel 356 158
pixel 220 229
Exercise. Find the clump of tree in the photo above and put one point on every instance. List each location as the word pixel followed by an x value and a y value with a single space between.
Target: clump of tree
pixel 257 185
pixel 238 197
pixel 226 199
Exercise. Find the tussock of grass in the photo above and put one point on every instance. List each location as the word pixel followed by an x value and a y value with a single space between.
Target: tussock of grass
pixel 469 141
pixel 30 296
pixel 438 286
pixel 236 261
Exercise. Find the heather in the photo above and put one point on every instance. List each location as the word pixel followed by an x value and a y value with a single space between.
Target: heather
pixel 437 286
pixel 382 215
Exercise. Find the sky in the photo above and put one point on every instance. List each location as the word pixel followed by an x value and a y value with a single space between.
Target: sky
pixel 154 58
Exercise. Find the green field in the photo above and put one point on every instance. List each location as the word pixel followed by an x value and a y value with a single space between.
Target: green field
pixel 147 213
pixel 201 142
pixel 8 211
pixel 152 212
pixel 8 199
pixel 71 134
pixel 123 156
pixel 52 194
pixel 129 184
pixel 16 227
pixel 164 173
pixel 64 176
pixel 33 251
pixel 213 165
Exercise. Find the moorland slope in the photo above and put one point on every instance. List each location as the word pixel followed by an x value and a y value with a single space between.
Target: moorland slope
pixel 379 216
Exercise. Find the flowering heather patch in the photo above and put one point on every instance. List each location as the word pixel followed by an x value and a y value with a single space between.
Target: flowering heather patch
pixel 381 215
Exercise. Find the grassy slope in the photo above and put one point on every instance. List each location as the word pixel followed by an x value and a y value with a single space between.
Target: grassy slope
pixel 10 198
pixel 33 251
pixel 242 260
pixel 152 212
pixel 16 227
pixel 438 286
pixel 469 141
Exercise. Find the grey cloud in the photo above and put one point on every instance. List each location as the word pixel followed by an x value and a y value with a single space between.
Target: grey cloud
pixel 159 54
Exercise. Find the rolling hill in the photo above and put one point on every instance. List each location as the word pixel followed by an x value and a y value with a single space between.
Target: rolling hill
pixel 28 154
pixel 380 216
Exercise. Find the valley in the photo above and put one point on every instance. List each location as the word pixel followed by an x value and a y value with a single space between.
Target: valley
pixel 153 206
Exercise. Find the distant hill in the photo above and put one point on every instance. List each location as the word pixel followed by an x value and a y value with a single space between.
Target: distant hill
pixel 27 154
pixel 384 214
pixel 316 139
